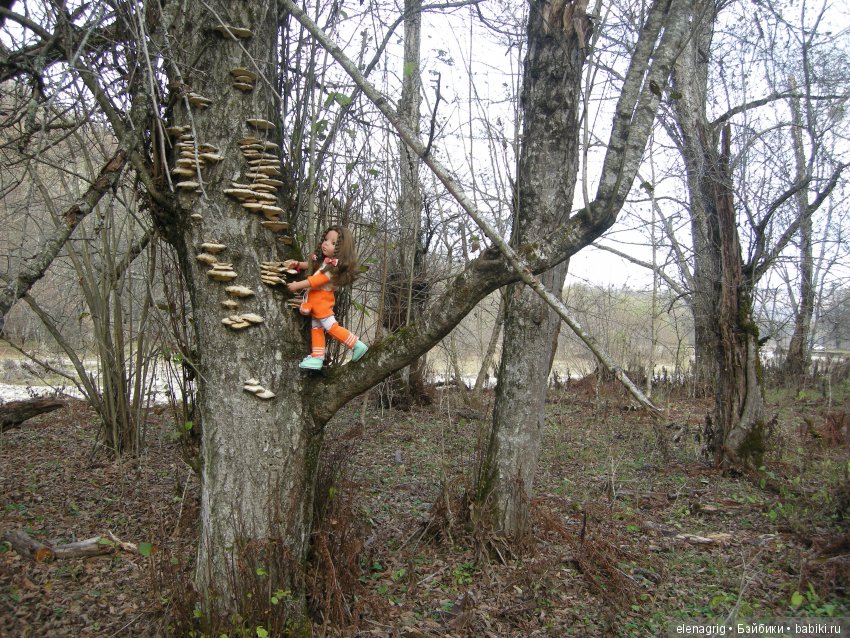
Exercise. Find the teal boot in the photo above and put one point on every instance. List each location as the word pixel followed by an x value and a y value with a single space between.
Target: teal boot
pixel 358 351
pixel 311 363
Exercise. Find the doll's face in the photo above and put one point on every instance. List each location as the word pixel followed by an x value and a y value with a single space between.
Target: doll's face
pixel 329 243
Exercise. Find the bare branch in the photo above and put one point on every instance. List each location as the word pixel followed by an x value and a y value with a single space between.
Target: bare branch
pixel 773 97
pixel 108 178
pixel 674 285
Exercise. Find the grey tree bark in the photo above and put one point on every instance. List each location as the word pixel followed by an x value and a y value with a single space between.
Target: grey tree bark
pixel 799 353
pixel 690 78
pixel 407 276
pixel 548 167
pixel 259 456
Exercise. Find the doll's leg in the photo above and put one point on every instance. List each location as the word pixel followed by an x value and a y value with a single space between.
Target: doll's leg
pixel 317 340
pixel 357 347
pixel 341 334
pixel 317 356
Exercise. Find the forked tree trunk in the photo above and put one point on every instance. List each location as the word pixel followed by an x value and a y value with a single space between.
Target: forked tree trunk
pixel 259 456
pixel 735 436
pixel 725 333
pixel 546 180
pixel 799 355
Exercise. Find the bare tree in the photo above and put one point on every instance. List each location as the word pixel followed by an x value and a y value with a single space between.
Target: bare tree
pixel 548 165
pixel 260 452
pixel 727 336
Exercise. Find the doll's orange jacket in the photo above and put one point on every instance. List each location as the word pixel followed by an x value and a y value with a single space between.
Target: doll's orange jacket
pixel 320 297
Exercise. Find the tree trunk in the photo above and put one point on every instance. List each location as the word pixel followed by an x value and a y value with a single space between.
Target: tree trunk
pixel 408 294
pixel 506 482
pixel 546 181
pixel 735 436
pixel 259 455
pixel 726 337
pixel 690 78
pixel 799 354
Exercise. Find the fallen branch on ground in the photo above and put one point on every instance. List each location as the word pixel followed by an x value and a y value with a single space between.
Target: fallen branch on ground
pixel 26 546
pixel 14 413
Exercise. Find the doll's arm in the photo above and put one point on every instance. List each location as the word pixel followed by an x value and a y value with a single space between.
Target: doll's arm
pixel 295 286
pixel 314 281
pixel 318 279
pixel 294 263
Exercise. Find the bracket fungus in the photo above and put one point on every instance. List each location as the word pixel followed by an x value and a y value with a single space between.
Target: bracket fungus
pixel 273 211
pixel 236 322
pixel 242 72
pixel 239 291
pixel 187 185
pixel 263 188
pixel 242 321
pixel 270 280
pixel 222 272
pixel 206 258
pixel 232 32
pixel 252 386
pixel 198 101
pixel 213 247
pixel 174 131
pixel 271 171
pixel 274 227
pixel 260 124
pixel 269 181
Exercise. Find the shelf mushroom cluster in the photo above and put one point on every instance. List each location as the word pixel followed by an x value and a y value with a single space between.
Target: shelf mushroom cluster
pixel 274 273
pixel 243 79
pixel 242 321
pixel 191 158
pixel 253 387
pixel 257 192
pixel 224 272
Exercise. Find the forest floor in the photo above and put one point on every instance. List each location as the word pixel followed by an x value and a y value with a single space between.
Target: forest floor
pixel 632 533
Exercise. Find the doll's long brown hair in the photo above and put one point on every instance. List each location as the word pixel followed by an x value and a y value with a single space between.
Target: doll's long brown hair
pixel 345 271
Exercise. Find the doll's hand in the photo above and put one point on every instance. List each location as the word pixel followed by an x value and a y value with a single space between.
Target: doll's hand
pixel 290 263
pixel 294 286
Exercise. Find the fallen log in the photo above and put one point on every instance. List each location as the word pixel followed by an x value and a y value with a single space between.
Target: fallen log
pixel 14 413
pixel 26 546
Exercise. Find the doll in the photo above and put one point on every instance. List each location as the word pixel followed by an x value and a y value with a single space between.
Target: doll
pixel 332 265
